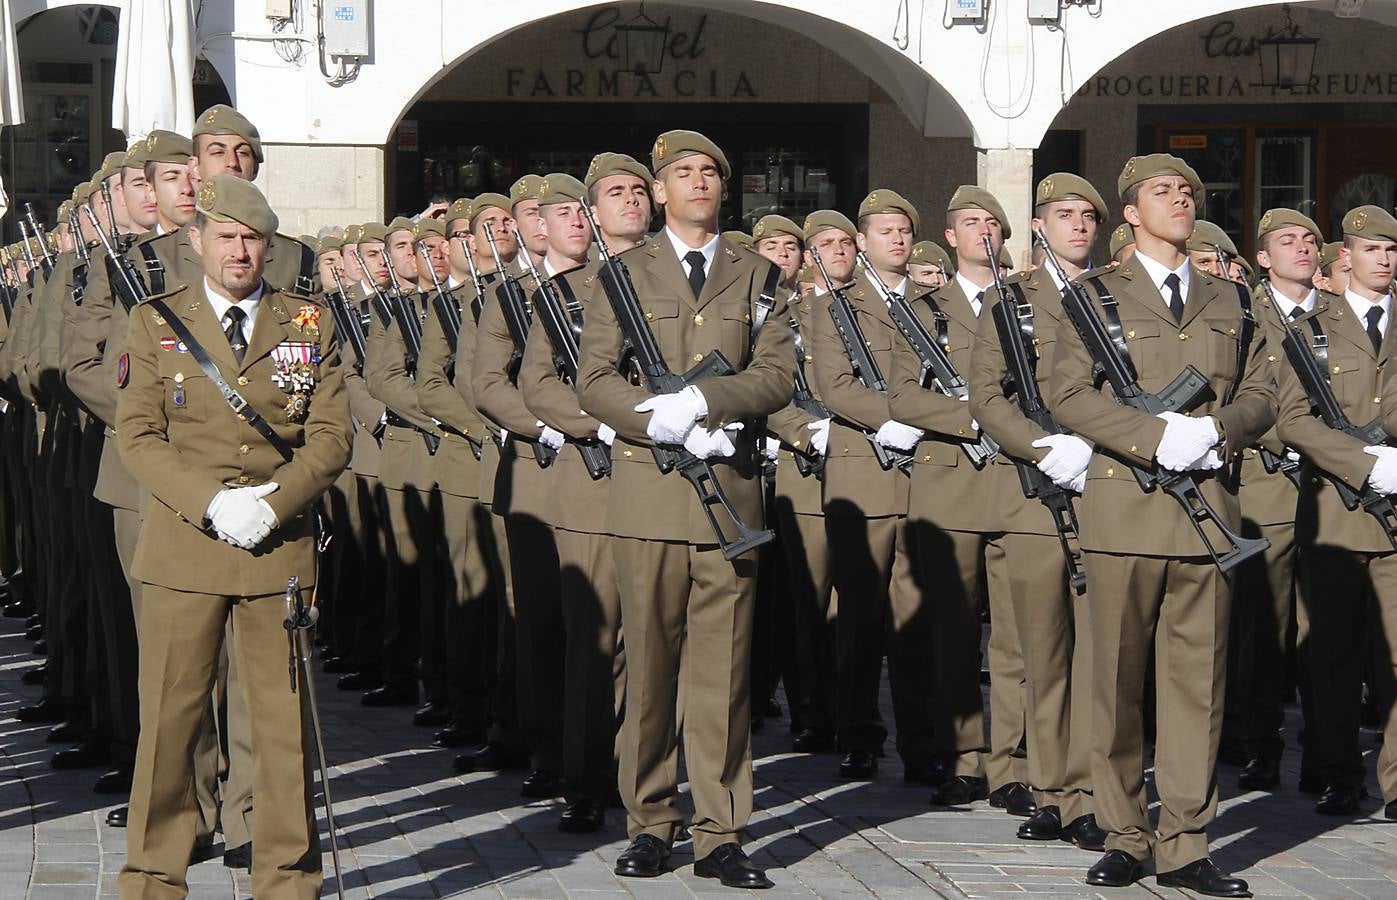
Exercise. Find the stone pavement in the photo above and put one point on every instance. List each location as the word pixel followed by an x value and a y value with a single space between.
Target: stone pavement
pixel 410 828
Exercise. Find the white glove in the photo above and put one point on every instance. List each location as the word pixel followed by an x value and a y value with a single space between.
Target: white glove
pixel 707 444
pixel 772 448
pixel 606 434
pixel 1292 456
pixel 551 437
pixel 898 436
pixel 1186 440
pixel 241 517
pixel 819 435
pixel 1067 458
pixel 673 415
pixel 1211 460
pixel 1383 478
pixel 1077 484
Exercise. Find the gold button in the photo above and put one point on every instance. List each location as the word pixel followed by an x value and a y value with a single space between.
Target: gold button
pixel 1377 399
pixel 649 314
pixel 962 431
pixel 1111 472
pixel 179 378
pixel 1134 449
pixel 243 479
pixel 698 357
pixel 926 458
pixel 1183 336
pixel 868 343
pixel 698 319
pixel 1231 331
pixel 242 381
pixel 244 449
pixel 1337 370
pixel 242 418
pixel 846 451
pixel 465 431
pixel 626 453
pixel 1130 334
pixel 809 358
pixel 746 317
pixel 795 443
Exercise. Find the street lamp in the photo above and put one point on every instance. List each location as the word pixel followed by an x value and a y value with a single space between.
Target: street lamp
pixel 643 43
pixel 1287 59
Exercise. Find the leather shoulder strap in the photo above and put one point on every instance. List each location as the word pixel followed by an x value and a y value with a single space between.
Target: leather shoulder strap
pixel 155 269
pixel 305 278
pixel 1245 334
pixel 235 401
pixel 766 302
pixel 1109 309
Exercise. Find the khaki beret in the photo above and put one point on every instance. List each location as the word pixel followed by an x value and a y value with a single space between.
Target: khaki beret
pixel 400 223
pixel 1066 186
pixel 929 253
pixel 968 196
pixel 64 209
pixel 373 233
pixel 1371 223
pixel 136 155
pixel 352 234
pixel 604 164
pixel 673 146
pixel 770 226
pixel 460 208
pixel 741 239
pixel 1206 236
pixel 1139 168
pixel 427 227
pixel 1329 254
pixel 1005 258
pixel 227 198
pixel 326 244
pixel 81 192
pixel 530 187
pixel 825 219
pixel 1284 217
pixel 112 164
pixel 1124 234
pixel 223 119
pixel 168 147
pixel 491 201
pixel 888 201
pixel 560 187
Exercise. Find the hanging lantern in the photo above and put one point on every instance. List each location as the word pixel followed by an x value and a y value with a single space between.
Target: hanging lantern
pixel 643 43
pixel 1287 59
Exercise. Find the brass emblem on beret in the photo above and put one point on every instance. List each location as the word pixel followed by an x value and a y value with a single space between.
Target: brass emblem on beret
pixel 1359 219
pixel 592 169
pixel 1045 190
pixel 917 252
pixel 1129 167
pixel 543 187
pixel 759 230
pixel 1266 220
pixel 660 147
pixel 207 195
pixel 872 201
pixel 805 226
pixel 150 143
pixel 211 117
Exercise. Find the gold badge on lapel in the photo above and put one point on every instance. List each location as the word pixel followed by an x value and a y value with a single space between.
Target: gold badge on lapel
pixel 307 320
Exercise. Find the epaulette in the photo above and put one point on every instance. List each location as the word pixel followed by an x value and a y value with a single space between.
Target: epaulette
pixel 173 292
pixel 1095 273
pixel 1018 277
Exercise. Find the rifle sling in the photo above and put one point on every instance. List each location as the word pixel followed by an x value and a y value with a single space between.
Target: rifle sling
pixel 234 400
pixel 155 269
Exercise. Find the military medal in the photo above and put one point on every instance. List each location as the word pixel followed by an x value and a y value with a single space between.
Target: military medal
pixel 307 320
pixel 296 406
pixel 178 396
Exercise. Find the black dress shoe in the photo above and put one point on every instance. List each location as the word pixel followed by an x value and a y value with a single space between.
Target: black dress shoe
pixel 69 732
pixel 338 665
pixel 1390 810
pixel 1116 869
pixel 202 851
pixel 644 858
pixel 455 735
pixel 812 740
pixel 87 755
pixel 17 609
pixel 47 711
pixel 36 675
pixel 1202 876
pixel 731 866
pixel 117 781
pixel 1338 800
pixel 389 696
pixel 1085 833
pixel 541 784
pixel 432 715
pixel 1014 798
pixel 116 818
pixel 34 633
pixel 491 757
pixel 41 647
pixel 239 857
pixel 582 816
pixel 1043 825
pixel 358 681
pixel 33 620
pixel 930 772
pixel 858 765
pixel 1260 774
pixel 962 790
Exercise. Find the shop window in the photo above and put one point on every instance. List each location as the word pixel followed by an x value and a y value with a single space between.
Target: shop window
pixel 1283 167
pixel 51 153
pixel 1374 189
pixel 785 180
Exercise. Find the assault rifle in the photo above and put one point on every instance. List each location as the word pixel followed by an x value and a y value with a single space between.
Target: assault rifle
pixel 347 323
pixel 562 323
pixel 125 280
pixel 1186 392
pixel 841 309
pixel 659 379
pixel 807 460
pixel 1014 322
pixel 1321 395
pixel 38 229
pixel 396 309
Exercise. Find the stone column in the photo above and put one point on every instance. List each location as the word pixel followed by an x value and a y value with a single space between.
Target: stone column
pixel 1007 172
pixel 314 185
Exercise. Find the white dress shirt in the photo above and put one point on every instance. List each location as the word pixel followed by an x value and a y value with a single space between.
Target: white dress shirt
pixel 973 292
pixel 1158 272
pixel 1288 306
pixel 248 305
pixel 1361 305
pixel 709 250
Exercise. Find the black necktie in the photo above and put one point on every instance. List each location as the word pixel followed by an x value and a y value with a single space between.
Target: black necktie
pixel 696 275
pixel 1297 312
pixel 979 300
pixel 1373 316
pixel 234 331
pixel 1176 297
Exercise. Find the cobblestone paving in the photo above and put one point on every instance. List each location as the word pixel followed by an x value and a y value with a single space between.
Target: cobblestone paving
pixel 410 828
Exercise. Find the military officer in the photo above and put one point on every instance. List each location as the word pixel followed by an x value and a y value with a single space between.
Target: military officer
pixel 1154 582
pixel 701 293
pixel 1348 556
pixel 929 265
pixel 1052 619
pixel 239 502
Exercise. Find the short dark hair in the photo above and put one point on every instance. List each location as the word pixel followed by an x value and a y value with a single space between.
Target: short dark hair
pixel 1131 195
pixel 201 221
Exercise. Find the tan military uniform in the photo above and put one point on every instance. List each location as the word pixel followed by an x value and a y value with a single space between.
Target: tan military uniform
pixel 183 444
pixel 1054 633
pixel 1169 592
pixel 676 589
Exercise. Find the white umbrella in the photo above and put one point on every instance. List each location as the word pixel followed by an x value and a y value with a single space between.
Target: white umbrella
pixel 154 68
pixel 11 94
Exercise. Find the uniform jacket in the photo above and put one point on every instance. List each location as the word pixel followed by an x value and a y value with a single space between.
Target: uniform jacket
pixel 805 493
pixel 1269 498
pixel 404 462
pixel 458 470
pixel 1115 514
pixel 184 453
pixel 645 503
pixel 465 387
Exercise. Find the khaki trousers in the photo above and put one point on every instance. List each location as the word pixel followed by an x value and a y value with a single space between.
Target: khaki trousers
pixel 678 595
pixel 181 637
pixel 539 638
pixel 469 594
pixel 812 678
pixel 1181 608
pixel 1054 626
pixel 1007 761
pixel 507 702
pixel 1263 608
